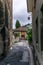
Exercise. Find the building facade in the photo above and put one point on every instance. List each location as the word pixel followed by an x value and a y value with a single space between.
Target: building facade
pixel 9 6
pixel 5 25
pixel 20 32
pixel 36 7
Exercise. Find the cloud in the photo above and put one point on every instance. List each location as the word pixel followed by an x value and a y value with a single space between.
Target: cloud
pixel 20 12
pixel 18 5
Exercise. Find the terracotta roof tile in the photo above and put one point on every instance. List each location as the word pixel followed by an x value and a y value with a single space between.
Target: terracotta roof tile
pixel 20 29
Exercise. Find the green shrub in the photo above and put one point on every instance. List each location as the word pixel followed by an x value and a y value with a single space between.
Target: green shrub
pixel 16 35
pixel 29 36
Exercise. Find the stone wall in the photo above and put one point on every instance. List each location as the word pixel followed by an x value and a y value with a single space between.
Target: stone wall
pixel 6 27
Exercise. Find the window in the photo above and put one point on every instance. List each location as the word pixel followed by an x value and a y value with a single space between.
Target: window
pixel 42 28
pixel 34 3
pixel 37 44
pixel 37 30
pixel 41 33
pixel 6 16
pixel 42 9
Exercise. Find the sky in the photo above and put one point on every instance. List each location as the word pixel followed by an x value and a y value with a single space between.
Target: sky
pixel 20 12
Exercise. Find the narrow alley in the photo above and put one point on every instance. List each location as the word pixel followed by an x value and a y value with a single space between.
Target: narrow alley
pixel 19 54
pixel 21 32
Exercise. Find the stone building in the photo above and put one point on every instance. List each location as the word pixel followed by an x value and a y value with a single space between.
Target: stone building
pixel 9 6
pixel 5 26
pixel 36 7
pixel 21 31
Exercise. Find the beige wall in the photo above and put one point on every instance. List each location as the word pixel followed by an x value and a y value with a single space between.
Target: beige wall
pixel 9 5
pixel 30 5
pixel 36 12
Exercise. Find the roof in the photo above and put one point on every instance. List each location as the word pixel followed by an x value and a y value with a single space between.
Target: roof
pixel 20 29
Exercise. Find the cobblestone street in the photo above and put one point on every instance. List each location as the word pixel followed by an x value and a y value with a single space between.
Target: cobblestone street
pixel 19 54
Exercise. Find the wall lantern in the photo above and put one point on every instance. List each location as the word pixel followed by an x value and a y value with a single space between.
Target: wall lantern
pixel 28 18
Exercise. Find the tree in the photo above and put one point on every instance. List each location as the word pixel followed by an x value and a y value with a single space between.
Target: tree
pixel 17 25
